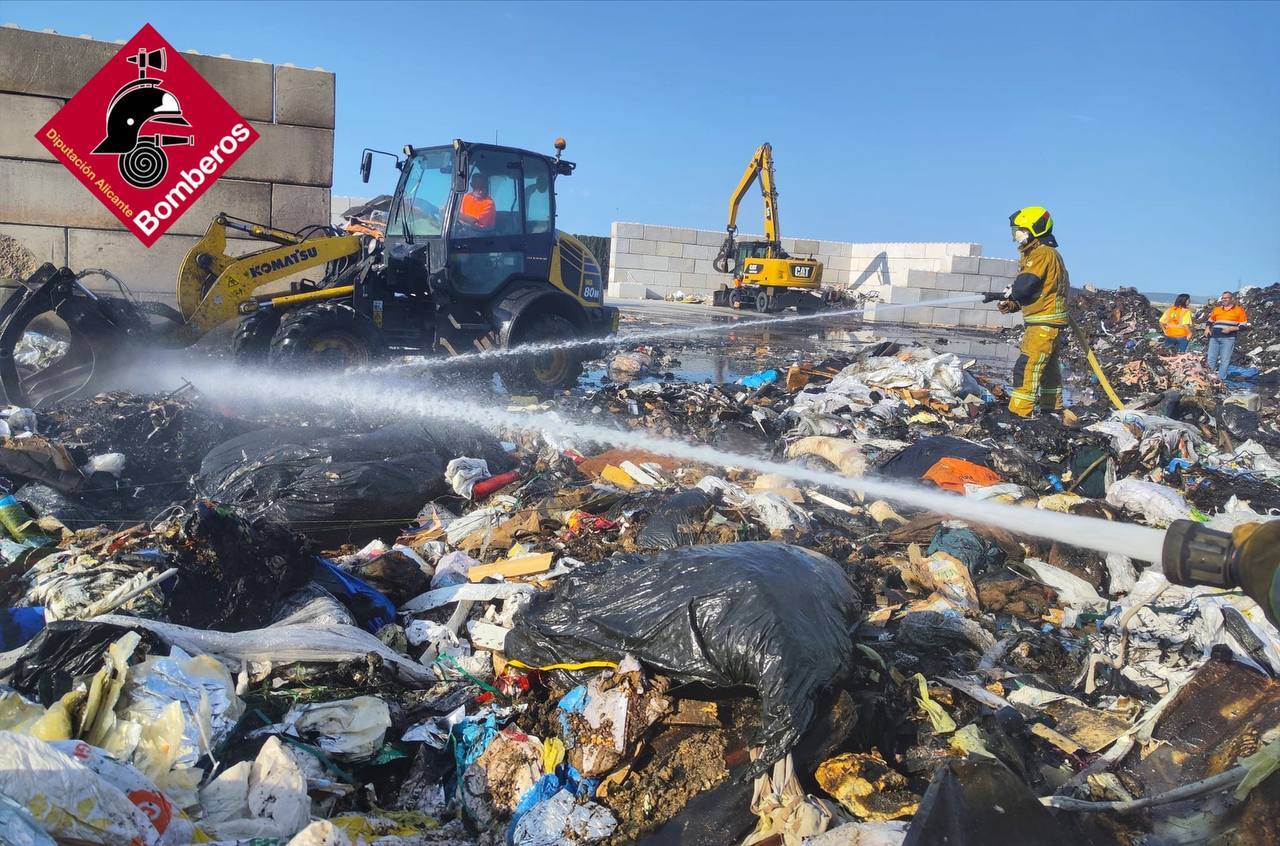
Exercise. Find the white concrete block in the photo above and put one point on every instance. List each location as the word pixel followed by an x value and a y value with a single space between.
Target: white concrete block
pixel 703 266
pixel 950 281
pixel 915 250
pixel 963 264
pixel 946 316
pixel 980 284
pixel 972 317
pixel 643 247
pixel 680 265
pixel 998 267
pixel 805 246
pixel 669 248
pixel 624 260
pixel 684 236
pixel 922 279
pixel 45 243
pixel 923 316
pixel 654 262
pixel 901 295
pixel 657 233
pixel 709 237
pixel 626 230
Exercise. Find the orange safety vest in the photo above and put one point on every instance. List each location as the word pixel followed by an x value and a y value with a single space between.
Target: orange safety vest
pixel 481 210
pixel 1176 322
pixel 1221 318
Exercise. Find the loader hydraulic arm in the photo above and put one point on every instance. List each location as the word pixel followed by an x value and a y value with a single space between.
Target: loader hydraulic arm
pixel 760 167
pixel 213 284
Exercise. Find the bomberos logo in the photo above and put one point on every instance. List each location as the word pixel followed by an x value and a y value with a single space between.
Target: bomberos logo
pixel 147 135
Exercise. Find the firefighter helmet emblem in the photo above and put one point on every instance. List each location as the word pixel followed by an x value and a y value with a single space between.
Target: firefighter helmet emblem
pixel 138 105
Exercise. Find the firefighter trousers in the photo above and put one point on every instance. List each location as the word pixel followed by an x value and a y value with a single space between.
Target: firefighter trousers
pixel 1037 376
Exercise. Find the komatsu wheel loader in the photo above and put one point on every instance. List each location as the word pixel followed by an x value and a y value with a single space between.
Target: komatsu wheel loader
pixel 439 280
pixel 765 276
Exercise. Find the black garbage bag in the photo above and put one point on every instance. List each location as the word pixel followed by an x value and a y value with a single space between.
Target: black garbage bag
pixel 770 616
pixel 1240 422
pixel 47 502
pixel 979 801
pixel 232 571
pixel 914 461
pixel 677 521
pixel 1019 466
pixel 322 482
pixel 67 650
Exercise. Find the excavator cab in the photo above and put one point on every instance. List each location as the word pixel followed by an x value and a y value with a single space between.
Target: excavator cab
pixel 470 261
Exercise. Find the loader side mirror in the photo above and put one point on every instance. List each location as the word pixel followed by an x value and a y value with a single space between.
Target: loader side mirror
pixel 366 165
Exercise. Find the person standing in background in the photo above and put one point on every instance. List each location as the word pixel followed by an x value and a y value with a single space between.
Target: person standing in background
pixel 1176 324
pixel 1225 322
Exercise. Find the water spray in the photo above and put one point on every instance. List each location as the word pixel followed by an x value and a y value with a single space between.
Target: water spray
pixel 658 333
pixel 227 384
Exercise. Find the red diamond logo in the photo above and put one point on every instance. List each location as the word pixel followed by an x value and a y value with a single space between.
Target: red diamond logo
pixel 147 135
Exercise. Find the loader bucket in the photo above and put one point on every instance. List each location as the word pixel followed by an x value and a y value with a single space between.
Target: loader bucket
pixel 105 335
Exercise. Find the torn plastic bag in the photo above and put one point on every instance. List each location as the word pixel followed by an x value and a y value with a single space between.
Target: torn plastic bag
pixel 169 822
pixel 774 510
pixel 953 474
pixel 462 473
pixel 71 801
pixel 371 609
pixel 563 820
pixel 978 802
pixel 1158 504
pixel 452 569
pixel 323 481
pixel 19 827
pixel 347 729
pixel 70 649
pixel 312 604
pixel 282 645
pixel 862 834
pixel 914 461
pixel 263 798
pixel 769 615
pixel 677 521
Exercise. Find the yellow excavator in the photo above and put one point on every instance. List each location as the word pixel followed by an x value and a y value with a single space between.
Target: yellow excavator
pixel 435 281
pixel 765 277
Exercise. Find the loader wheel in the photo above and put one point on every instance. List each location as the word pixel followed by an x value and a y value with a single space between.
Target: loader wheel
pixel 763 303
pixel 545 372
pixel 251 343
pixel 324 335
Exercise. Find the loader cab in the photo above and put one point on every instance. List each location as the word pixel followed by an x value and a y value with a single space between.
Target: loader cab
pixel 468 219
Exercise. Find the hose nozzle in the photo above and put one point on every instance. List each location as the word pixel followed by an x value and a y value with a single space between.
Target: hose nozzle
pixel 1196 555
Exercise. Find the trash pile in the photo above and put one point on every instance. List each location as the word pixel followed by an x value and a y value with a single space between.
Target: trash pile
pixel 388 632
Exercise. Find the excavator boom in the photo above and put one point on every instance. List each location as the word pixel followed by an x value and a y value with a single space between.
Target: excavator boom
pixel 760 167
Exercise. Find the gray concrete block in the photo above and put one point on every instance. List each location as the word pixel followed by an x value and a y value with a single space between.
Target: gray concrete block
pixel 972 317
pixel 709 237
pixel 981 284
pixel 296 206
pixel 805 246
pixel 45 243
pixel 683 235
pixel 950 281
pixel 305 97
pixel 946 316
pixel 22 119
pixel 39 193
pixel 49 65
pixel 654 262
pixel 704 266
pixel 642 247
pixel 998 267
pixel 620 229
pixel 625 260
pixel 670 248
pixel 698 251
pixel 151 273
pixel 899 295
pixel 918 314
pixel 963 264
pixel 298 155
pixel 922 279
pixel 245 85
pixel 681 265
pixel 657 233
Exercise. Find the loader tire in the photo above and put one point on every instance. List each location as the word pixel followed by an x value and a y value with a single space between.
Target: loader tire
pixel 251 342
pixel 542 374
pixel 325 335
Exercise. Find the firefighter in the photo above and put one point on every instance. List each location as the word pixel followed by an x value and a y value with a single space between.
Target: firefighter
pixel 1040 292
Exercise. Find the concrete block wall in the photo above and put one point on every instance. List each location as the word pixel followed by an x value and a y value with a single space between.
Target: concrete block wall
pixel 958 275
pixel 284 179
pixel 647 260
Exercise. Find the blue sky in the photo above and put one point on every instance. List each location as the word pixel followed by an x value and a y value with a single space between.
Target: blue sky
pixel 1151 131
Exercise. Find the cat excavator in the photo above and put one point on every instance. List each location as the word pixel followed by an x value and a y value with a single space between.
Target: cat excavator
pixel 765 276
pixel 435 281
